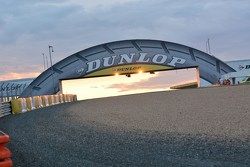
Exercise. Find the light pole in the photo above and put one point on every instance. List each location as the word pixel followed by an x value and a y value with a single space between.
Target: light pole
pixel 46 62
pixel 50 50
pixel 44 66
pixel 51 66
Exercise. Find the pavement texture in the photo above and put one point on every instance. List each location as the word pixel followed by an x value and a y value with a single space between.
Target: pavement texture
pixel 195 127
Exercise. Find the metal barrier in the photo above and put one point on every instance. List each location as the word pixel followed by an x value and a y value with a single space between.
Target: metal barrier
pixel 5 109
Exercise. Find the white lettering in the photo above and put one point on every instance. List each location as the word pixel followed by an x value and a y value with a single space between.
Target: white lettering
pixel 162 58
pixel 126 58
pixel 176 60
pixel 106 61
pixel 142 58
pixel 93 65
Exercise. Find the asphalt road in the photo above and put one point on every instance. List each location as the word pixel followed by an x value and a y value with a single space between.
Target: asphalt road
pixel 196 127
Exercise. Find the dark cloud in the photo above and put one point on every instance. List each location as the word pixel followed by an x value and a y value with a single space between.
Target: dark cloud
pixel 27 27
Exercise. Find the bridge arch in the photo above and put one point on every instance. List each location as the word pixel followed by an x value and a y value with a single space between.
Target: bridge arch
pixel 127 52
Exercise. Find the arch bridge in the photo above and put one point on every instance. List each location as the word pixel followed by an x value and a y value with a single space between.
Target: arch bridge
pixel 127 52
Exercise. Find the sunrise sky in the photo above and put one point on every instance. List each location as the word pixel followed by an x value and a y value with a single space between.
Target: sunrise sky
pixel 27 27
pixel 121 85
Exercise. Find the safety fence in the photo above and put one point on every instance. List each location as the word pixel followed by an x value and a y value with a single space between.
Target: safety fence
pixel 5 109
pixel 5 154
pixel 22 105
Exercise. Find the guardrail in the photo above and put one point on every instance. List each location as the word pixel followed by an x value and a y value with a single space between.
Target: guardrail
pixel 22 105
pixel 5 109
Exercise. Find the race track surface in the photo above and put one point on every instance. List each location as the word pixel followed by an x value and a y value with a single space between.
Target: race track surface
pixel 195 127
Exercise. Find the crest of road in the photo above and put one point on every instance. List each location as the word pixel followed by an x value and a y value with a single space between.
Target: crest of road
pixel 193 127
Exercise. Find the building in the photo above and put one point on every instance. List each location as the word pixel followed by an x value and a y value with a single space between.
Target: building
pixel 242 71
pixel 13 88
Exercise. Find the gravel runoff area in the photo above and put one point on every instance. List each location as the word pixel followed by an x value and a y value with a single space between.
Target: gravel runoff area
pixel 194 127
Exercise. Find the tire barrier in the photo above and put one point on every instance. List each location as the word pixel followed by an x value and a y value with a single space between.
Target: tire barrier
pixel 5 154
pixel 22 105
pixel 5 109
pixel 6 163
pixel 61 98
pixel 45 101
pixel 32 102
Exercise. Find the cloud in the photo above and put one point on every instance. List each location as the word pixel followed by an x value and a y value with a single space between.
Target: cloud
pixel 27 27
pixel 13 75
pixel 93 5
pixel 159 80
pixel 9 71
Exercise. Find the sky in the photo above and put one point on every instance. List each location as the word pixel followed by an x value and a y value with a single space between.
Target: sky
pixel 27 27
pixel 97 87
